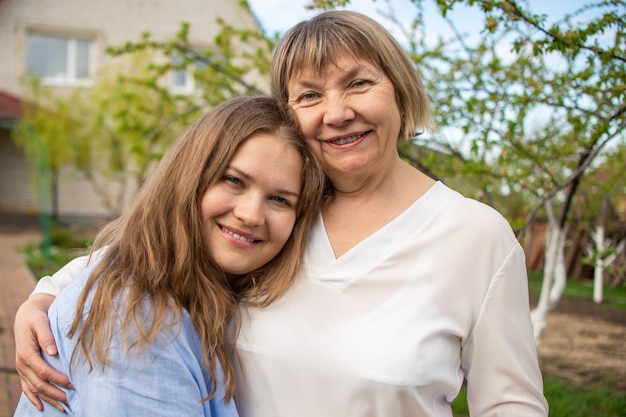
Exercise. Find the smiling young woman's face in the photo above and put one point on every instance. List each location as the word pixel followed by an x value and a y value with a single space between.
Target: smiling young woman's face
pixel 248 215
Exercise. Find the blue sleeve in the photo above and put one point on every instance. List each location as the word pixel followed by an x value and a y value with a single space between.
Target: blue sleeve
pixel 166 379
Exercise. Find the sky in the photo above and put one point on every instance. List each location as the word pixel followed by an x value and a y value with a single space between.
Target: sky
pixel 280 15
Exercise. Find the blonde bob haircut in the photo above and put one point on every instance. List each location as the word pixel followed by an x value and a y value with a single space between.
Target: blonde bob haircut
pixel 156 263
pixel 322 40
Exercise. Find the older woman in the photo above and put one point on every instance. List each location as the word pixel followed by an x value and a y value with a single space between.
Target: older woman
pixel 407 287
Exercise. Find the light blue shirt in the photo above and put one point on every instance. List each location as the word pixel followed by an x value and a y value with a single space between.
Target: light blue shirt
pixel 166 379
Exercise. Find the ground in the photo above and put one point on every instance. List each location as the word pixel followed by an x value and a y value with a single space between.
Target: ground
pixel 585 343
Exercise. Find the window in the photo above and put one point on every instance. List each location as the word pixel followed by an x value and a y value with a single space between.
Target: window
pixel 58 60
pixel 183 81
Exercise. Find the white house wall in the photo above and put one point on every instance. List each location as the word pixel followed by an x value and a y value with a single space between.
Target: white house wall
pixel 105 22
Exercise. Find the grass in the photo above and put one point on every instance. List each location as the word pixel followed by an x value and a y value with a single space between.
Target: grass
pixel 613 297
pixel 568 400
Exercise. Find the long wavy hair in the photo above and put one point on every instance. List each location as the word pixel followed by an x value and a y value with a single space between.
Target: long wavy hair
pixel 321 40
pixel 155 261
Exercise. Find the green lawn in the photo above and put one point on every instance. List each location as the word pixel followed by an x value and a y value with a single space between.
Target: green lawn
pixel 613 297
pixel 567 400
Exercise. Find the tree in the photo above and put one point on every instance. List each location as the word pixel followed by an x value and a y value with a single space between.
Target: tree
pixel 115 130
pixel 102 131
pixel 605 254
pixel 586 98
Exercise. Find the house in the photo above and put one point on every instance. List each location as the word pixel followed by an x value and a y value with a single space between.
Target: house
pixel 63 43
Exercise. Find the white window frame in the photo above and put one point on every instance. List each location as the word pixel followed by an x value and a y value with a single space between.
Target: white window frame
pixel 189 83
pixel 188 87
pixel 69 77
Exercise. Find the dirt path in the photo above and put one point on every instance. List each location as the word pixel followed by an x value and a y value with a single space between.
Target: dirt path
pixel 585 343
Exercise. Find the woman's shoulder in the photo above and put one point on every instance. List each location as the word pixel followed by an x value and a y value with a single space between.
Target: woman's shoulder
pixel 64 305
pixel 63 309
pixel 476 217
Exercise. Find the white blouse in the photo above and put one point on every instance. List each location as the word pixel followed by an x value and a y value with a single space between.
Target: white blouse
pixel 393 326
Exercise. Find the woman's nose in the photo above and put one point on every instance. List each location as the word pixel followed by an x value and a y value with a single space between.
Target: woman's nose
pixel 249 210
pixel 338 111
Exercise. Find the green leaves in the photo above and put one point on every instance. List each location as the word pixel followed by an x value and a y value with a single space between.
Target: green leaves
pixel 529 106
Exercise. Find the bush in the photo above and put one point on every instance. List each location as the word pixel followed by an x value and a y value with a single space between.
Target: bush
pixel 66 244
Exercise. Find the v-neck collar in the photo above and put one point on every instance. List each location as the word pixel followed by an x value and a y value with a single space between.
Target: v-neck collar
pixel 320 259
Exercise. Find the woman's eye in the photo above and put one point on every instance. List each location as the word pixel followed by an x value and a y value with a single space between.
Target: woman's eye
pixel 232 180
pixel 281 201
pixel 308 96
pixel 360 83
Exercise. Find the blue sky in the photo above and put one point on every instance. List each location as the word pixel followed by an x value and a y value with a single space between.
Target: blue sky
pixel 280 15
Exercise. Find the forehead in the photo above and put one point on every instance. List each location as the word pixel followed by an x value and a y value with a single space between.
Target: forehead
pixel 347 62
pixel 263 140
pixel 259 149
pixel 271 161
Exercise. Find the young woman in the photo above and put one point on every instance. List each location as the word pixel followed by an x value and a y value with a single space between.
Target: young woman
pixel 147 327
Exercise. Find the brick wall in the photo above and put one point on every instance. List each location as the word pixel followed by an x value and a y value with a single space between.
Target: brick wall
pixel 17 193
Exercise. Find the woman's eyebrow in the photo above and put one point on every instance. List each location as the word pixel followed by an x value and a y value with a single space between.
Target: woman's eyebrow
pixel 248 177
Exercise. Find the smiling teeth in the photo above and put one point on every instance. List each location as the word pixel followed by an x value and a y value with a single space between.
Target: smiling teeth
pixel 343 141
pixel 238 237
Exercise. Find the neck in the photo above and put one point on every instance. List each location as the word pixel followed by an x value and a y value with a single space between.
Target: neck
pixel 400 179
pixel 355 213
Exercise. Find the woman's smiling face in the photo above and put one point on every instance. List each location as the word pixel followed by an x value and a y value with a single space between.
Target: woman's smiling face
pixel 349 116
pixel 248 215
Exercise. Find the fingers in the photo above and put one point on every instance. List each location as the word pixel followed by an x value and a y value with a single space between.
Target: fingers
pixel 31 395
pixel 41 330
pixel 36 375
pixel 35 397
pixel 39 374
pixel 53 402
pixel 32 330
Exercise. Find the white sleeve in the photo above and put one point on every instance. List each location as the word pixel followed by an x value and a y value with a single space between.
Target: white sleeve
pixel 53 285
pixel 503 375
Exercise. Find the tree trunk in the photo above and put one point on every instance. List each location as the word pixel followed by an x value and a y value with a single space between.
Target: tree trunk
pixel 598 272
pixel 554 276
pixel 598 237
